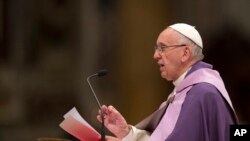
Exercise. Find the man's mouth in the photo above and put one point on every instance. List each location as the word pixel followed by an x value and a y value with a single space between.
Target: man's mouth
pixel 161 66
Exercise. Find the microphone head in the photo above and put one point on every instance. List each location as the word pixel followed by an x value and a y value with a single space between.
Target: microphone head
pixel 102 72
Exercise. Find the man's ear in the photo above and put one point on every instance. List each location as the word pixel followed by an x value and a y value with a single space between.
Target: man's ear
pixel 187 54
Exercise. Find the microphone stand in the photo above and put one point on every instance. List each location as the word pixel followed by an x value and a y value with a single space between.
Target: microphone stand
pixel 102 127
pixel 102 114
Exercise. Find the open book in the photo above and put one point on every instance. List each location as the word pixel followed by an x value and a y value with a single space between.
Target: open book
pixel 75 125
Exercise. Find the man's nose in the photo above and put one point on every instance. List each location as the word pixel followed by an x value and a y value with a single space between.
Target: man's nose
pixel 156 55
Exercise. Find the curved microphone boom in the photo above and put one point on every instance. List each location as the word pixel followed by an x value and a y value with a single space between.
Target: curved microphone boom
pixel 99 74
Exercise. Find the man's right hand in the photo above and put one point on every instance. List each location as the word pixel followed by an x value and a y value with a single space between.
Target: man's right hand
pixel 114 121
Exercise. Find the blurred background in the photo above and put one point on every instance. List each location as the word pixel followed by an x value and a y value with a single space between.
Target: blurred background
pixel 49 47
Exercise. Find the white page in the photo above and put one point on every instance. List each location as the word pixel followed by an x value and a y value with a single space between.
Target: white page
pixel 74 113
pixel 79 130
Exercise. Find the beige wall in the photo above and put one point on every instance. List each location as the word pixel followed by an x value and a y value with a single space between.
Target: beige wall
pixel 140 22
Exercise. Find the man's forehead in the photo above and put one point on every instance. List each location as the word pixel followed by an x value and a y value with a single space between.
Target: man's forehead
pixel 168 35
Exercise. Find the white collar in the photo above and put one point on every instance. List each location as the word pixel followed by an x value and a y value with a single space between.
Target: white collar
pixel 181 78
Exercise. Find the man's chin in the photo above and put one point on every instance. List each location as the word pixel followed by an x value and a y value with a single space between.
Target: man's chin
pixel 164 76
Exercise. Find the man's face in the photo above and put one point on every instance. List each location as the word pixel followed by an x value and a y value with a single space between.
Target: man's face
pixel 168 58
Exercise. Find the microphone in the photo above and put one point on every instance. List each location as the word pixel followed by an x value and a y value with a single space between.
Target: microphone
pixel 102 72
pixel 99 74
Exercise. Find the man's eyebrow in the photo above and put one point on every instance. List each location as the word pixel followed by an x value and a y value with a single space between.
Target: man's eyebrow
pixel 162 44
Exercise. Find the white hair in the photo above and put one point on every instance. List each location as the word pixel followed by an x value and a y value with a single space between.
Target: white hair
pixel 197 53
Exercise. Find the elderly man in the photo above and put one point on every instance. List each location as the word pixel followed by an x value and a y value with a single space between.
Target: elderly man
pixel 198 109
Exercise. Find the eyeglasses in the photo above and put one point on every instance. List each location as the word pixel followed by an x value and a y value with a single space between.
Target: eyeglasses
pixel 161 48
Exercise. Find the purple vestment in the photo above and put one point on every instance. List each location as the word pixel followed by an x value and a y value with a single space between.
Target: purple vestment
pixel 201 110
